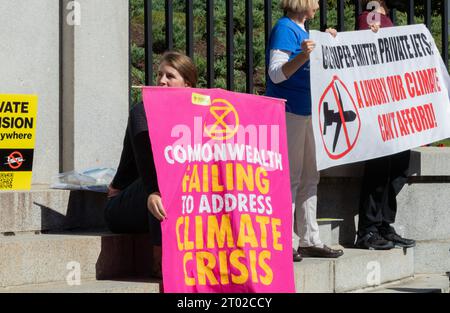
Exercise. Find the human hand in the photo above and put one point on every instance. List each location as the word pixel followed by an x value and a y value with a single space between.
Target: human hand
pixel 155 206
pixel 308 46
pixel 375 27
pixel 112 192
pixel 332 32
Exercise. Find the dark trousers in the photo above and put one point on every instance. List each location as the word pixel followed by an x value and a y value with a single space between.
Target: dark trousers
pixel 383 180
pixel 127 213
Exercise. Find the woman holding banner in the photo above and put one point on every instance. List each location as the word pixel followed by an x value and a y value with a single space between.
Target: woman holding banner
pixel 134 192
pixel 287 61
pixel 383 177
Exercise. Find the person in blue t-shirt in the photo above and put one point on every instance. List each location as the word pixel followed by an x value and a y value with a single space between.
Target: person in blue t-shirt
pixel 288 74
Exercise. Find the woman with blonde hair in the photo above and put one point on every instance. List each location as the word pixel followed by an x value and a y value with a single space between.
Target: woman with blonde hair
pixel 288 77
pixel 134 202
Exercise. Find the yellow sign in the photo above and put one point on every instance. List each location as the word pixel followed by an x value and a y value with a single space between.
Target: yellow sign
pixel 199 99
pixel 17 137
pixel 220 130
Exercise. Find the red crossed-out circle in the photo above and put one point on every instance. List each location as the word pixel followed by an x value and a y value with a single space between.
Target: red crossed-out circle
pixel 351 142
pixel 15 158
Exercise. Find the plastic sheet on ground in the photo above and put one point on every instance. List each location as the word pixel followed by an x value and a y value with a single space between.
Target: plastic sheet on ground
pixel 95 179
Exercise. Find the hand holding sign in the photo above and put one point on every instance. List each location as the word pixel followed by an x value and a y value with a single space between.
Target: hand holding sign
pixel 387 94
pixel 227 227
pixel 308 47
pixel 156 207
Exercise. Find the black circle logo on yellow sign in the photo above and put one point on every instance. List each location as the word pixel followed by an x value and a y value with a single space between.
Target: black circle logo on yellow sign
pixel 16 160
pixel 226 120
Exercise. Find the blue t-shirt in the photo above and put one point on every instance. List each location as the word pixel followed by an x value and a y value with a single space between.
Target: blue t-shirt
pixel 287 35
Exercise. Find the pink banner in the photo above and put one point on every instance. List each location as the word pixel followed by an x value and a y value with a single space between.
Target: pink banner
pixel 223 172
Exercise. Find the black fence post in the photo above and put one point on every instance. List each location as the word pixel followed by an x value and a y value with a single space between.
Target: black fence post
pixel 358 11
pixel 428 14
pixel 190 28
pixel 169 24
pixel 341 15
pixel 393 16
pixel 323 15
pixel 210 43
pixel 444 14
pixel 148 43
pixel 230 45
pixel 411 12
pixel 249 44
pixel 267 20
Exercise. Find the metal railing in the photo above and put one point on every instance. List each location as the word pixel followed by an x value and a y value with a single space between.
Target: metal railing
pixel 249 47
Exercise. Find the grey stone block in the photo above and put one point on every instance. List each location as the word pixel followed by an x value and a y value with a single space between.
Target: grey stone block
pixel 432 257
pixel 312 275
pixel 430 161
pixel 329 232
pixel 107 286
pixel 325 233
pixel 423 211
pixel 359 269
pixel 424 161
pixel 420 284
pixel 353 271
pixel 50 210
pixel 36 259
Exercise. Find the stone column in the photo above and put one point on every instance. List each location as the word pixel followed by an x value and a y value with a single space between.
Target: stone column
pixel 29 64
pixel 95 82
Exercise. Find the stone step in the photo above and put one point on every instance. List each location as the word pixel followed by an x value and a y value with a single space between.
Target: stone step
pixel 43 209
pixel 423 212
pixel 36 259
pixel 419 284
pixel 357 269
pixel 339 197
pixel 95 286
pixel 432 256
pixel 422 204
pixel 422 215
pixel 312 275
pixel 329 231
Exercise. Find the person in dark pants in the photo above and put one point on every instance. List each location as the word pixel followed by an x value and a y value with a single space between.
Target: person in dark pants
pixel 383 177
pixel 134 203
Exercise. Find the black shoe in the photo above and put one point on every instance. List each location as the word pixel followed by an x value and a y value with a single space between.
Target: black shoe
pixel 399 241
pixel 373 241
pixel 325 252
pixel 296 255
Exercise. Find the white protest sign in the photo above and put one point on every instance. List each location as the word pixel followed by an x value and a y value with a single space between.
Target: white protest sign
pixel 376 94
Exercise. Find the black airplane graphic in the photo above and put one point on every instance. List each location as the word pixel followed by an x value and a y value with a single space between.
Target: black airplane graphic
pixel 335 117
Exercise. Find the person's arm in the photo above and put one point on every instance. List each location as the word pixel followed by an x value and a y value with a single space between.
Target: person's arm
pixel 126 171
pixel 144 162
pixel 147 171
pixel 280 66
pixel 278 58
pixel 284 40
pixel 291 67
